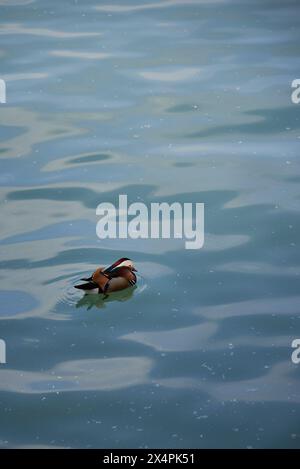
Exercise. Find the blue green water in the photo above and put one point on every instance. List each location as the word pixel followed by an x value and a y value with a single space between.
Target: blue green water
pixel 171 100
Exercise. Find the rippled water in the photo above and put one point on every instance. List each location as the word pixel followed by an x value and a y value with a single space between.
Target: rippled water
pixel 172 100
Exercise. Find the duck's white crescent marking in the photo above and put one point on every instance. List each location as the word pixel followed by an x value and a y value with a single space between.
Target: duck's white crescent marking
pixel 127 263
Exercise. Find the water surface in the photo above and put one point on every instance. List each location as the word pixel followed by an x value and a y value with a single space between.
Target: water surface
pixel 172 100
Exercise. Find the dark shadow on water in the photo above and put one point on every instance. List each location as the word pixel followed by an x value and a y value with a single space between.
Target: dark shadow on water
pixel 93 158
pixel 268 121
pixel 98 301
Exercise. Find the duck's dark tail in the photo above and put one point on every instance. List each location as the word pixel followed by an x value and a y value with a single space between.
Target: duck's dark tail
pixel 87 286
pixel 89 279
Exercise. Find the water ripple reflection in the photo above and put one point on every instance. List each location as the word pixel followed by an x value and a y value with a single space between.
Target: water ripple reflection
pixel 165 101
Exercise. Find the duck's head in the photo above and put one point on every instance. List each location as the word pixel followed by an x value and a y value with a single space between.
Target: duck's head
pixel 123 262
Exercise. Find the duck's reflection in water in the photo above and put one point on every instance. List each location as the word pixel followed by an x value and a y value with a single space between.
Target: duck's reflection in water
pixel 88 301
